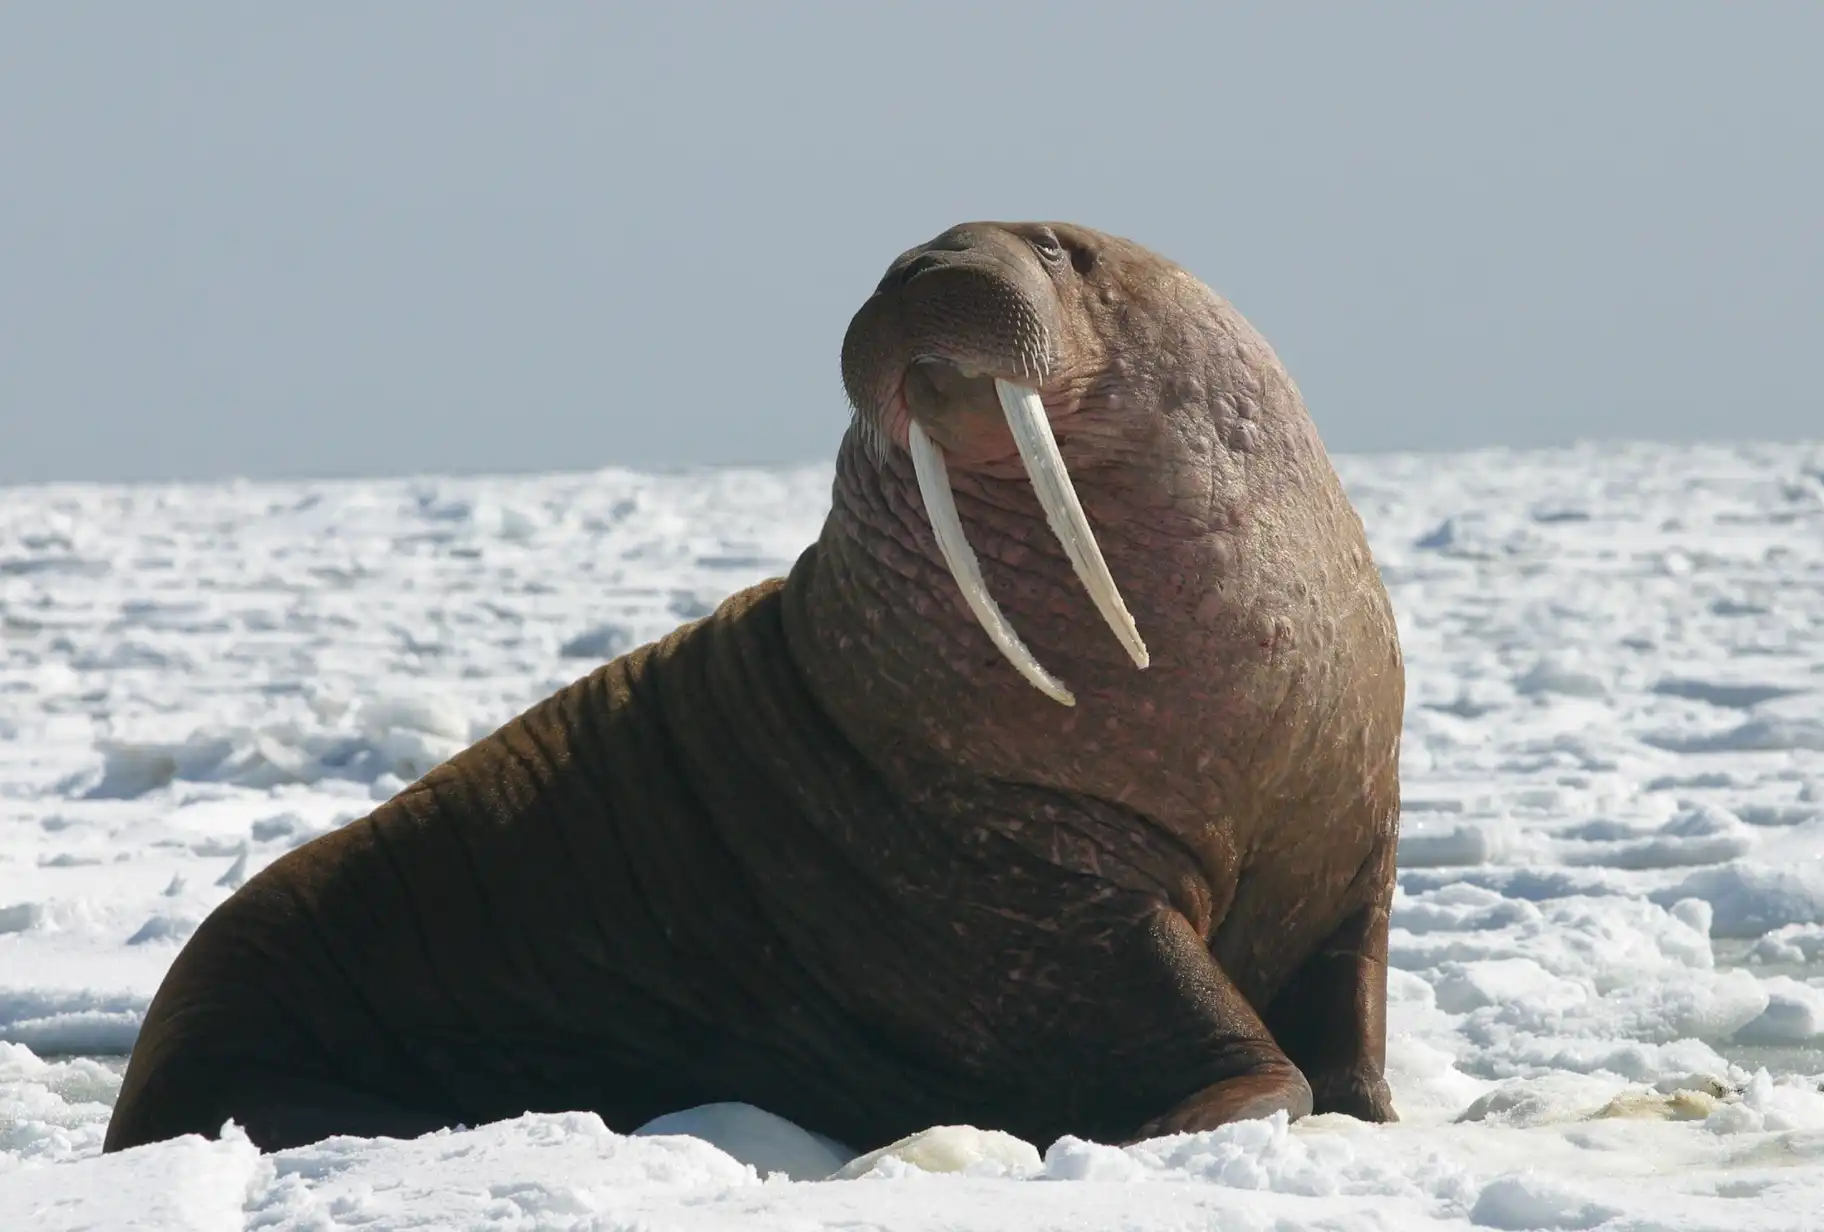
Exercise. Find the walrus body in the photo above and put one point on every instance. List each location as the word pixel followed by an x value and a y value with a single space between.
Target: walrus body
pixel 825 852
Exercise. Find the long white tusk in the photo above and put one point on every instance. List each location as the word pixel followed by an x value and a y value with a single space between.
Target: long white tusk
pixel 940 507
pixel 1045 467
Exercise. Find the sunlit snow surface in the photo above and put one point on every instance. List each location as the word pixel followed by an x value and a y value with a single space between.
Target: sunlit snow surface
pixel 1607 1002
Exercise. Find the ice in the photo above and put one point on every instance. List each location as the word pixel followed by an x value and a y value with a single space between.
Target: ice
pixel 1751 898
pixel 1457 846
pixel 1794 1013
pixel 194 1184
pixel 1793 943
pixel 948 1148
pixel 769 1143
pixel 1606 994
pixel 1527 1201
pixel 603 642
pixel 1734 695
pixel 1770 733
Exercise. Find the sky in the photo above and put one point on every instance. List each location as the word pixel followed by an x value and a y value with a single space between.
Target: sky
pixel 337 239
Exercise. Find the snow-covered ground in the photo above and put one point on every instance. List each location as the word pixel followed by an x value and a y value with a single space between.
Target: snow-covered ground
pixel 1608 986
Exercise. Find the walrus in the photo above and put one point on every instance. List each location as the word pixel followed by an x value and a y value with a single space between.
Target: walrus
pixel 1053 790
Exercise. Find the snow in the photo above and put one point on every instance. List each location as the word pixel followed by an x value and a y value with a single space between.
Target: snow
pixel 1606 1002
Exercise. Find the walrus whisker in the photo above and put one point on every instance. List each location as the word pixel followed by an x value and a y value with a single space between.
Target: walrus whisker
pixel 940 506
pixel 873 439
pixel 1031 429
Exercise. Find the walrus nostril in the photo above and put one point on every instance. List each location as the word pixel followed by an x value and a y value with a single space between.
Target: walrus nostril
pixel 924 263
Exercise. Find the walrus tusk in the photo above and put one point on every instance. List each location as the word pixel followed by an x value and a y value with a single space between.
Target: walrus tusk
pixel 1045 467
pixel 940 507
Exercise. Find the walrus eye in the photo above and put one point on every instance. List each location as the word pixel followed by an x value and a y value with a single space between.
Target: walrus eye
pixel 1031 430
pixel 1044 241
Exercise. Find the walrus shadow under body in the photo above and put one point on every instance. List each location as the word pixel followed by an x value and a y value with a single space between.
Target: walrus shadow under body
pixel 825 852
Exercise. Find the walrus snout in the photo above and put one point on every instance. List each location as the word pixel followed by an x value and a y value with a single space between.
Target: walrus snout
pixel 976 312
pixel 979 301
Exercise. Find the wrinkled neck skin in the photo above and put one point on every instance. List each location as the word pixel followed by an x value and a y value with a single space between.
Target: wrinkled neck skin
pixel 1185 506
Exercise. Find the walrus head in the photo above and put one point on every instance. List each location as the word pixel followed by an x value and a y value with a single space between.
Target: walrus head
pixel 1061 432
pixel 961 336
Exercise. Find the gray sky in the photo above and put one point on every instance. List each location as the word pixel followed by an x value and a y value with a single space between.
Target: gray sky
pixel 341 238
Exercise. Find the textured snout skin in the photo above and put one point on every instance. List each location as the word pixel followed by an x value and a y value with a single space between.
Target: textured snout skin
pixel 825 852
pixel 974 297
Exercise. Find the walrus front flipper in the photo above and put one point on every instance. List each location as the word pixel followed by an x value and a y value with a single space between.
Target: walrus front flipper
pixel 1210 1035
pixel 1331 1018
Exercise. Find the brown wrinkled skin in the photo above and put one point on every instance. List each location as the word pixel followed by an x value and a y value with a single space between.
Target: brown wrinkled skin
pixel 825 852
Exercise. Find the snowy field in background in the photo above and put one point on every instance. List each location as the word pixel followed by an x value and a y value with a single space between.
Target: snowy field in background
pixel 1607 996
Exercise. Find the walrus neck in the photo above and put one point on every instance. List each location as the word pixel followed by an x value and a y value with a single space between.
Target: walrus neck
pixel 887 643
